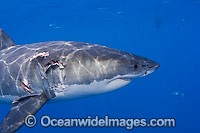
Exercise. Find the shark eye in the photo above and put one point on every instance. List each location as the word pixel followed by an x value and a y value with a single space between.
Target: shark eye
pixel 135 66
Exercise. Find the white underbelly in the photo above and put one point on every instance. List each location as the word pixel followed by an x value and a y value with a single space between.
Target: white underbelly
pixel 82 90
pixel 67 92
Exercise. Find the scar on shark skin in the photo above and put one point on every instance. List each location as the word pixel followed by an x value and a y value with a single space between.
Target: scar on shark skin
pixel 61 81
pixel 54 64
pixel 26 88
pixel 43 54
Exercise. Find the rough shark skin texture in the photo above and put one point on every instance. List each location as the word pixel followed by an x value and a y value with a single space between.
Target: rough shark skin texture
pixel 32 74
pixel 80 63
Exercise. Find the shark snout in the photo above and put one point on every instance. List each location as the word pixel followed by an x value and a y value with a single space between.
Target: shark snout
pixel 157 66
pixel 142 66
pixel 150 66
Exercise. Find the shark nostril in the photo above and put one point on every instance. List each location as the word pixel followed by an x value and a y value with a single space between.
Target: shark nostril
pixel 147 66
pixel 144 65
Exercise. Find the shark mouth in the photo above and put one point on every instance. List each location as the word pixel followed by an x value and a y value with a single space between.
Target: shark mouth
pixel 130 77
pixel 122 78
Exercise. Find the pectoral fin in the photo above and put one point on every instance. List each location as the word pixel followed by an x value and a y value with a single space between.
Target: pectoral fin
pixel 20 109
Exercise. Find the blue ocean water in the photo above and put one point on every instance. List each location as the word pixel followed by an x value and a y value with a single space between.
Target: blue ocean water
pixel 166 31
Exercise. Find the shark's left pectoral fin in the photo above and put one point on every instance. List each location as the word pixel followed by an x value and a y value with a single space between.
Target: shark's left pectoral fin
pixel 20 109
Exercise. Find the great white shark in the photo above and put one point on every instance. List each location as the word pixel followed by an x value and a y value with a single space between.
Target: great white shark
pixel 33 74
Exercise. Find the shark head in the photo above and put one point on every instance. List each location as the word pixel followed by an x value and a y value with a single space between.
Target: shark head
pixel 80 69
pixel 122 67
pixel 128 67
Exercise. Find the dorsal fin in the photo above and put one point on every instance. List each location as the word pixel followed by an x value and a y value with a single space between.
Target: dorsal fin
pixel 5 40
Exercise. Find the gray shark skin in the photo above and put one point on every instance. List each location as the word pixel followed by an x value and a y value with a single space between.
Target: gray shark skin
pixel 32 74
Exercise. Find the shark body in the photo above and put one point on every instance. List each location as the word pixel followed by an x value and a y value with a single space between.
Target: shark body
pixel 32 74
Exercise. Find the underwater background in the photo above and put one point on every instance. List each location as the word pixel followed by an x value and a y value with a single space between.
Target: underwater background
pixel 166 31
